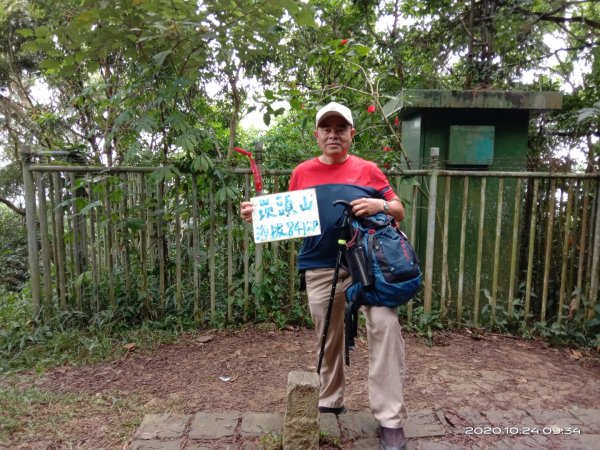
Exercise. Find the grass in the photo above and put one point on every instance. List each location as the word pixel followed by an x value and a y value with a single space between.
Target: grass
pixel 72 337
pixel 30 414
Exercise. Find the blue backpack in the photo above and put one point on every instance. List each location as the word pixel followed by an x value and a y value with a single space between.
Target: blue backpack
pixel 384 267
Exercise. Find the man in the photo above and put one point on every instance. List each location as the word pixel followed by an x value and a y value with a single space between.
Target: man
pixel 337 175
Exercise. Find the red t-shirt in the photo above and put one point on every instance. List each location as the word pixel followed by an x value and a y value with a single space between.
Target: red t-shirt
pixel 352 179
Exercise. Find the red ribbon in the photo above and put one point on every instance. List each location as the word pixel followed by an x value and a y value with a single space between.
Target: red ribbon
pixel 255 172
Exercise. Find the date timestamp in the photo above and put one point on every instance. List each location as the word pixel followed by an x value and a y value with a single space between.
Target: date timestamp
pixel 506 430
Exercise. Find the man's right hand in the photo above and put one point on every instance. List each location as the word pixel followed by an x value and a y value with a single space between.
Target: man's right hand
pixel 246 209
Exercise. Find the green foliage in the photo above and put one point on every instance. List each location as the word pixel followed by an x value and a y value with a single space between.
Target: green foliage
pixel 17 405
pixel 75 337
pixel 577 330
pixel 160 83
pixel 13 250
pixel 271 441
pixel 273 296
pixel 424 324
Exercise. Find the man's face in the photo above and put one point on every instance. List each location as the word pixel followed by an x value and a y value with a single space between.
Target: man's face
pixel 334 136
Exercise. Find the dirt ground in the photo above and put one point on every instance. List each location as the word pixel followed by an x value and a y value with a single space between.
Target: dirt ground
pixel 100 406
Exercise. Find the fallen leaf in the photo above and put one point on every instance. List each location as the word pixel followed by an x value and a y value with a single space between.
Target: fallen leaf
pixel 205 338
pixel 130 346
pixel 575 354
pixel 572 307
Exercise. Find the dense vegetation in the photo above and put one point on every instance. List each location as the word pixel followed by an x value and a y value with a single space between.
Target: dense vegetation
pixel 166 83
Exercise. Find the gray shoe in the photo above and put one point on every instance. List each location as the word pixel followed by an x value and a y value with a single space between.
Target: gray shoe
pixel 392 439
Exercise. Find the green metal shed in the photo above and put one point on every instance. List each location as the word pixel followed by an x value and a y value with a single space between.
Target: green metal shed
pixel 476 130
pixel 485 130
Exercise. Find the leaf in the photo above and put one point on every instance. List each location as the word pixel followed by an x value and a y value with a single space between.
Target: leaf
pixel 89 207
pixel 487 295
pixel 359 50
pixel 85 277
pixel 161 173
pixel 576 354
pixel 50 64
pixel 206 338
pixel 130 346
pixel 159 58
pixel 586 113
pixel 306 17
pixel 25 32
pixel 136 224
pixel 202 163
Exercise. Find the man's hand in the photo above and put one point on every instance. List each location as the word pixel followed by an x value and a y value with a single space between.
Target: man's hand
pixel 246 209
pixel 366 206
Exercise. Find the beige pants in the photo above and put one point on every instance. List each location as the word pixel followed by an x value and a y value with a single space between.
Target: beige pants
pixel 386 349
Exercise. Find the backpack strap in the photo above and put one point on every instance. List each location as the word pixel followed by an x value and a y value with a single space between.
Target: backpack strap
pixel 371 234
pixel 369 223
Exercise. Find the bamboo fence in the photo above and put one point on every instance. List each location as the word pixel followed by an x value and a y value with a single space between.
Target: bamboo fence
pixel 155 240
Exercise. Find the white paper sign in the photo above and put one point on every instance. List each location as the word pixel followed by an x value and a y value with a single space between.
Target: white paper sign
pixel 285 215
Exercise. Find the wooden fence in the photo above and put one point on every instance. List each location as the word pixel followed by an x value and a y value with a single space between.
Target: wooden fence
pixel 494 245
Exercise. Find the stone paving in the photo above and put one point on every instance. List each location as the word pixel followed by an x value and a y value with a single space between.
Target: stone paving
pixel 516 429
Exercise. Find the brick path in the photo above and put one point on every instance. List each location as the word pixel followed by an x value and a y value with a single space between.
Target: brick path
pixel 570 429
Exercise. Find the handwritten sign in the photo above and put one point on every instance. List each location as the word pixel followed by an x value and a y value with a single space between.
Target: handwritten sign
pixel 285 215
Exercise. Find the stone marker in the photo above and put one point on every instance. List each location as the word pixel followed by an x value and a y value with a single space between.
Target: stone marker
pixel 301 427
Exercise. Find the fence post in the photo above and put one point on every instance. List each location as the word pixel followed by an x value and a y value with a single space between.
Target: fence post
pixel 429 250
pixel 258 255
pixel 30 218
pixel 591 305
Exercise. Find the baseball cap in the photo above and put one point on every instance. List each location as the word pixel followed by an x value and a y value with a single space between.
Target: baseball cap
pixel 334 109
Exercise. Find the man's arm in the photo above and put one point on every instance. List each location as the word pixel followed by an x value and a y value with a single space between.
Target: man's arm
pixel 396 209
pixel 369 206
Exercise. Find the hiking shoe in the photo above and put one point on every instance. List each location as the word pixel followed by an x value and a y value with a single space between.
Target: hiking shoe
pixel 336 411
pixel 392 439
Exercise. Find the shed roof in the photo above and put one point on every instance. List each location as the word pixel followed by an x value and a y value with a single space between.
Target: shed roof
pixel 413 100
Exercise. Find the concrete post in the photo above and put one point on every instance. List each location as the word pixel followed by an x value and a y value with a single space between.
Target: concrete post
pixel 301 429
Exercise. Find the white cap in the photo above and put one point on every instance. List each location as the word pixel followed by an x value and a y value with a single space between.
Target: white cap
pixel 334 109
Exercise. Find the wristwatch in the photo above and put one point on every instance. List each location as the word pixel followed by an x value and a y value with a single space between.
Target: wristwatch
pixel 386 207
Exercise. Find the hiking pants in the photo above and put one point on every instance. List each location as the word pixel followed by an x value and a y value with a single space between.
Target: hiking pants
pixel 386 349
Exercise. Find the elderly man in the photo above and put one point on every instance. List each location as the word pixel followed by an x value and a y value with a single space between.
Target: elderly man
pixel 338 175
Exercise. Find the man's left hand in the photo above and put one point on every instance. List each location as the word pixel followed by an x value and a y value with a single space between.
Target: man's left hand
pixel 366 206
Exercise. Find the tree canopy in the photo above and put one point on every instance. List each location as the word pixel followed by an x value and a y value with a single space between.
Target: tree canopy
pixel 157 81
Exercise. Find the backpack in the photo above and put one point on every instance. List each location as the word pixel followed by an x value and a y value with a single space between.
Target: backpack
pixel 384 267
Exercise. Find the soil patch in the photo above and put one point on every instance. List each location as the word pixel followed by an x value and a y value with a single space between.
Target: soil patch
pixel 246 370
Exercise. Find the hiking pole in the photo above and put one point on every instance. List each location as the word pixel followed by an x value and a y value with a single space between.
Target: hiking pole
pixel 336 274
pixel 356 260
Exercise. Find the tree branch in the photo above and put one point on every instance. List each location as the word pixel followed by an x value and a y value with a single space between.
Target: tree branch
pixel 578 19
pixel 12 206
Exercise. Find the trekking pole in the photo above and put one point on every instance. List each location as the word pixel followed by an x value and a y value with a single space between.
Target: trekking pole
pixel 336 274
pixel 341 245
